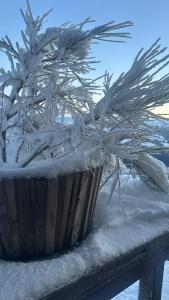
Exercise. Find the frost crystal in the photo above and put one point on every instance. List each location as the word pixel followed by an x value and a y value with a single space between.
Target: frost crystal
pixel 48 82
pixel 76 41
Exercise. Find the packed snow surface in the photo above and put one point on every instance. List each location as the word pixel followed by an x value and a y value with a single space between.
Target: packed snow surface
pixel 70 162
pixel 134 215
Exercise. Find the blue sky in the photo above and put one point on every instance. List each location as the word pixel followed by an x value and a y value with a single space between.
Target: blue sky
pixel 150 18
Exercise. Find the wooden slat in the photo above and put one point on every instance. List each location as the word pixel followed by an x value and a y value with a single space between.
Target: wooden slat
pixel 85 213
pixel 67 205
pixel 32 216
pixel 51 212
pixel 39 216
pixel 93 181
pixel 41 185
pixel 80 207
pixel 5 236
pixel 72 208
pixel 19 195
pixel 150 285
pixel 9 193
pixel 2 250
pixel 25 206
pixel 98 173
pixel 5 231
pixel 65 191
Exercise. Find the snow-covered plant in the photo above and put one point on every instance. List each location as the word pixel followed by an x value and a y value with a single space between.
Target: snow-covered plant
pixel 48 81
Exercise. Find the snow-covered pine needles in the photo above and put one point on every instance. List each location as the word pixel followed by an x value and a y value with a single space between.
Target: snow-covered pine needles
pixel 48 82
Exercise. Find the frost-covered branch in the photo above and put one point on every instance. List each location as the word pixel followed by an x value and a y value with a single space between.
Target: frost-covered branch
pixel 49 82
pixel 34 153
pixel 137 90
pixel 46 79
pixel 153 172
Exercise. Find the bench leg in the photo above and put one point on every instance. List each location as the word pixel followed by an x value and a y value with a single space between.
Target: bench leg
pixel 150 286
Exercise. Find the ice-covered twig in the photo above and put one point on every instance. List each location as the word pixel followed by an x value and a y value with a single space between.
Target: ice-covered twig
pixel 34 153
pixel 153 172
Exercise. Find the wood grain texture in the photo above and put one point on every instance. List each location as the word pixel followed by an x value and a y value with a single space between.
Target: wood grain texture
pixel 150 285
pixel 5 228
pixel 39 216
pixel 73 206
pixel 65 185
pixel 91 198
pixel 2 250
pixel 10 198
pixel 98 173
pixel 26 202
pixel 52 197
pixel 77 224
pixel 41 185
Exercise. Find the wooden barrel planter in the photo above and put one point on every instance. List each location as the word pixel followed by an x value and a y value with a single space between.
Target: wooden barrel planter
pixel 39 216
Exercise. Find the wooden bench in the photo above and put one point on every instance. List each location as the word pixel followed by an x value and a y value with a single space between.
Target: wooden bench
pixel 144 263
